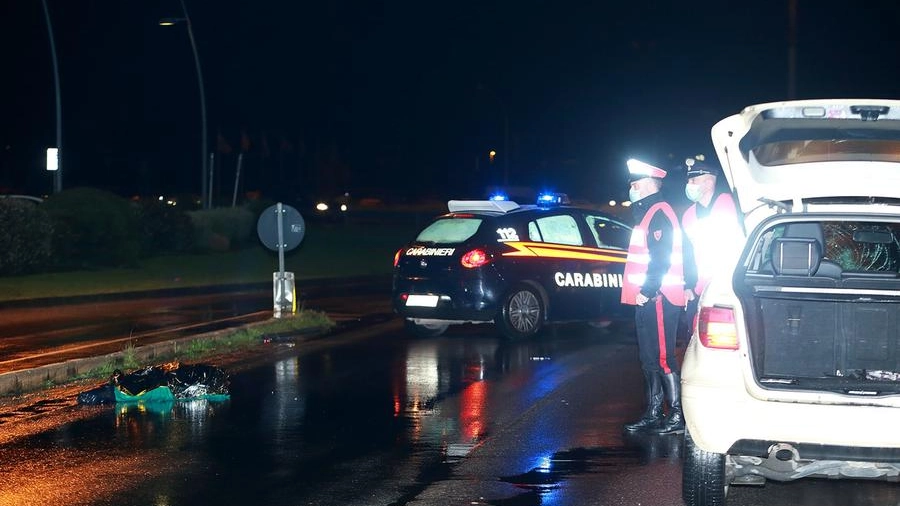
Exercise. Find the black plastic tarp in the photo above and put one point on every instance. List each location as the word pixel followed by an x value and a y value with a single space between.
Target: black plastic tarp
pixel 181 381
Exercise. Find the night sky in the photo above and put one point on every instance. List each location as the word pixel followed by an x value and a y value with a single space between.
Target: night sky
pixel 404 99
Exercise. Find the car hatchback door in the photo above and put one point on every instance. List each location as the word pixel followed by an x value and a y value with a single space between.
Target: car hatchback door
pixel 779 155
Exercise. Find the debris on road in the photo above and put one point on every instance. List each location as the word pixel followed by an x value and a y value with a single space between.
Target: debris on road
pixel 167 382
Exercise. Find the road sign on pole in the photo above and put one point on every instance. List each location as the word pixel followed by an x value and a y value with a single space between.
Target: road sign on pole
pixel 281 228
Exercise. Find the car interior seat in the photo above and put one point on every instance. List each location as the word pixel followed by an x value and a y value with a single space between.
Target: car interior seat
pixel 813 230
pixel 794 237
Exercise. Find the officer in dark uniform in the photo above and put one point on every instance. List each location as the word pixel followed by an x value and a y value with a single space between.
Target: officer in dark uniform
pixel 654 283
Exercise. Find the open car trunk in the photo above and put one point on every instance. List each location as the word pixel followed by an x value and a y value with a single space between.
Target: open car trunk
pixel 822 303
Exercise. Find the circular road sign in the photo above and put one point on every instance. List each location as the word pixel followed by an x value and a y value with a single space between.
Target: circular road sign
pixel 292 225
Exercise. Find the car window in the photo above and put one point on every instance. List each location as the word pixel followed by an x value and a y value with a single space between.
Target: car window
pixel 871 247
pixel 609 233
pixel 827 150
pixel 559 229
pixel 856 246
pixel 449 230
pixel 533 233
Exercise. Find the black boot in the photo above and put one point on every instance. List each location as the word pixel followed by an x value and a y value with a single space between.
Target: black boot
pixel 674 421
pixel 653 414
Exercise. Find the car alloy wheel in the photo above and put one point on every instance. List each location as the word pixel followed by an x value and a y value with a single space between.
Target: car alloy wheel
pixel 523 313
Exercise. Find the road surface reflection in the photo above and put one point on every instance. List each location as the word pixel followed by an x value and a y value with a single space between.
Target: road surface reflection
pixel 383 419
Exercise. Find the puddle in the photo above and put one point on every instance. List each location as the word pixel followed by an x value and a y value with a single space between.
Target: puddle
pixel 639 450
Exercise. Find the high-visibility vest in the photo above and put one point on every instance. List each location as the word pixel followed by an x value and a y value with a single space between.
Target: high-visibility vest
pixel 716 239
pixel 639 258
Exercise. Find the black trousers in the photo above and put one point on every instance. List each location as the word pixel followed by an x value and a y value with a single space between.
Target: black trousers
pixel 657 326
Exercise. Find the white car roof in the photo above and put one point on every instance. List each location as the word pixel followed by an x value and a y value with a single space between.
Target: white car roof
pixel 797 150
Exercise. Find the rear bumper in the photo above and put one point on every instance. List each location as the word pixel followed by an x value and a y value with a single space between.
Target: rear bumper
pixel 731 421
pixel 471 300
pixel 724 416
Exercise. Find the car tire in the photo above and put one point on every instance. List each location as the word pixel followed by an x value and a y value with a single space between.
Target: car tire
pixel 523 312
pixel 425 330
pixel 703 480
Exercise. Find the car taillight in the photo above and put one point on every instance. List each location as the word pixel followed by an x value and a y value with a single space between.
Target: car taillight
pixel 475 258
pixel 397 256
pixel 717 329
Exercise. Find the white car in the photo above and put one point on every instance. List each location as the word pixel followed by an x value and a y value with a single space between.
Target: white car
pixel 793 369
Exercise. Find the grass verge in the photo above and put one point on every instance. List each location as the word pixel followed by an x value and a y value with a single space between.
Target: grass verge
pixel 206 347
pixel 327 251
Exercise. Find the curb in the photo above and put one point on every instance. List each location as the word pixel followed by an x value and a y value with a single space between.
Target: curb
pixel 29 380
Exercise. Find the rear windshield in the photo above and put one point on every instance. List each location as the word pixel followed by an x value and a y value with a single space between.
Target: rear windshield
pixel 449 230
pixel 833 150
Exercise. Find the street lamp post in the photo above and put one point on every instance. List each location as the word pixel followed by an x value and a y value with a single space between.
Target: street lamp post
pixel 204 202
pixel 57 177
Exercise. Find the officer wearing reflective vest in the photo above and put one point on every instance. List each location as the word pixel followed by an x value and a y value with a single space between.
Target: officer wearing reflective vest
pixel 654 283
pixel 712 229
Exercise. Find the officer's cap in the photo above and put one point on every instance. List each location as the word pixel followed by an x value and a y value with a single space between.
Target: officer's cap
pixel 699 168
pixel 639 170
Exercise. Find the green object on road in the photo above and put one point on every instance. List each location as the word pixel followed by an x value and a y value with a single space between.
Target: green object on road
pixel 162 394
pixel 161 384
pixel 158 394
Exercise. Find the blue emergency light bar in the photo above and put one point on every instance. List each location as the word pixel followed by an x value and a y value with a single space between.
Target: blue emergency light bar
pixel 548 199
pixel 498 197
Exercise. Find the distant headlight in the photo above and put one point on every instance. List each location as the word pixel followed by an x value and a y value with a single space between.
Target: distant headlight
pixel 321 206
pixel 343 207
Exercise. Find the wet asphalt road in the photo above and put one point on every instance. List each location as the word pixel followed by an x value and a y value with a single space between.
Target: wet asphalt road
pixel 377 418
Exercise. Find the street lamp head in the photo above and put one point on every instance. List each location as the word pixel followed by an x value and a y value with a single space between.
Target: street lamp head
pixel 171 21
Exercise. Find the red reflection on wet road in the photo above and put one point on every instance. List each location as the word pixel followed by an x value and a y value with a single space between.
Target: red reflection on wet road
pixel 471 414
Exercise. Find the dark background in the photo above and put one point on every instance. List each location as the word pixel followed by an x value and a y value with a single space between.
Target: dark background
pixel 402 99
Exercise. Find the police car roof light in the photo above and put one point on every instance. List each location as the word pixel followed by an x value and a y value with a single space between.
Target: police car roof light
pixel 547 199
pixel 497 206
pixel 498 196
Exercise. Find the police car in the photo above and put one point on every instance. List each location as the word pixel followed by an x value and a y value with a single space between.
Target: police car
pixel 517 266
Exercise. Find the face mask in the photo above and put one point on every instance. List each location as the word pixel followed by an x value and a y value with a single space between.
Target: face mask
pixel 693 192
pixel 634 195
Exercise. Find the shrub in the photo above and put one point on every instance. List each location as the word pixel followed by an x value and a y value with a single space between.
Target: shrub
pixel 258 205
pixel 164 228
pixel 25 233
pixel 93 228
pixel 224 228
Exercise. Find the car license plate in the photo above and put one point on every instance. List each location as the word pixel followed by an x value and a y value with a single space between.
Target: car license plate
pixel 422 300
